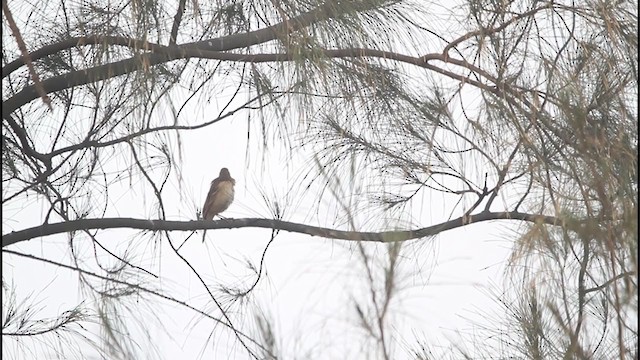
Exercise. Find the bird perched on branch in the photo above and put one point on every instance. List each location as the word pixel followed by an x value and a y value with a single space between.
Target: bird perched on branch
pixel 220 195
pixel 219 198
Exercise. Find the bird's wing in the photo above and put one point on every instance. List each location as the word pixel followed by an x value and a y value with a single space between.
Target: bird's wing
pixel 211 196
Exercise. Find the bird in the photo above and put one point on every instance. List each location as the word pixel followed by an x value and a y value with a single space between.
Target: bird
pixel 220 195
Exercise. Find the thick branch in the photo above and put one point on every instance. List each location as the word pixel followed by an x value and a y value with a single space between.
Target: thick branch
pixel 144 61
pixel 158 225
pixel 78 41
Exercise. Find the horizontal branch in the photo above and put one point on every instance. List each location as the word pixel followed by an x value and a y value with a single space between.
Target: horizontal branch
pixel 167 225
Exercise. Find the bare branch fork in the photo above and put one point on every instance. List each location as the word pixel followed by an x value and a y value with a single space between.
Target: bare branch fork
pixel 384 236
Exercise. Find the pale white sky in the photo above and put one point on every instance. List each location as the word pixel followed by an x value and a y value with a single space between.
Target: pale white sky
pixel 311 284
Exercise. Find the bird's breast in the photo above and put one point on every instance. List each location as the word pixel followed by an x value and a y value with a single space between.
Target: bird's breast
pixel 225 195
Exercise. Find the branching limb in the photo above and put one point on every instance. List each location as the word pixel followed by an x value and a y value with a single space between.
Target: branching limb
pixel 141 289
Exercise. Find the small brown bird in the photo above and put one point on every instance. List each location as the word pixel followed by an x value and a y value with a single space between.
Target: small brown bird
pixel 220 195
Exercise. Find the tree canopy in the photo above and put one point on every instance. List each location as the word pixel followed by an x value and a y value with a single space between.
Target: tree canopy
pixel 390 122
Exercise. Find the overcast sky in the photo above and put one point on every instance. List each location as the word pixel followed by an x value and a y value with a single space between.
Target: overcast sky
pixel 310 286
